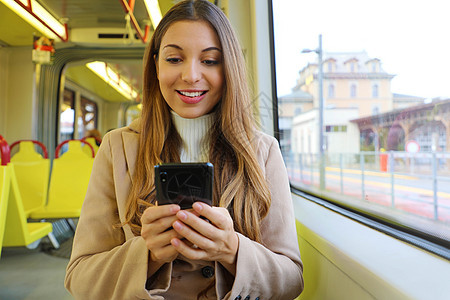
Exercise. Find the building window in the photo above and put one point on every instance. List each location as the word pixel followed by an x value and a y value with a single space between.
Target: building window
pixel 330 67
pixel 375 110
pixel 353 90
pixel 374 67
pixel 375 91
pixel 331 91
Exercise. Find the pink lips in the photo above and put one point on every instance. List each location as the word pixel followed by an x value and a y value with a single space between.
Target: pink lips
pixel 191 100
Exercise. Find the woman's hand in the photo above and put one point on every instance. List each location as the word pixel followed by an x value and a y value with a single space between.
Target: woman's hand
pixel 216 240
pixel 156 222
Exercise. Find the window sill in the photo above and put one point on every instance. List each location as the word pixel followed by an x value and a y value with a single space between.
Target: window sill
pixel 371 263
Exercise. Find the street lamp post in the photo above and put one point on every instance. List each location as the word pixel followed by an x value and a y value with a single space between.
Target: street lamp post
pixel 321 137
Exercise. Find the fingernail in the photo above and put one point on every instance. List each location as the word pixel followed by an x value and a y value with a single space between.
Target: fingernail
pixel 175 242
pixel 182 215
pixel 177 225
pixel 197 206
pixel 174 208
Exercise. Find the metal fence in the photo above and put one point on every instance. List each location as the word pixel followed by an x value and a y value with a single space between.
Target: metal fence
pixel 418 182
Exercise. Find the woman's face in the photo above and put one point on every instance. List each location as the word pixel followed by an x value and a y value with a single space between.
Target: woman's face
pixel 190 68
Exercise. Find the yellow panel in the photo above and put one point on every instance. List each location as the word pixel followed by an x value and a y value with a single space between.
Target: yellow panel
pixel 17 231
pixel 19 32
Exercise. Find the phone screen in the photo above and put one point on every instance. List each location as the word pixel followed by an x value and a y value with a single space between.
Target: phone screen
pixel 184 183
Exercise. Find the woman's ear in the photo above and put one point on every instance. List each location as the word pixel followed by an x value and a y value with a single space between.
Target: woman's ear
pixel 155 58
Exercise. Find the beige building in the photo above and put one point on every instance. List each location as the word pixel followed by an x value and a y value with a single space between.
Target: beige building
pixel 340 135
pixel 351 80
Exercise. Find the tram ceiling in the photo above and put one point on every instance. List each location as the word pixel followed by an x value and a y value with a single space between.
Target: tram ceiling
pixel 78 14
pixel 86 20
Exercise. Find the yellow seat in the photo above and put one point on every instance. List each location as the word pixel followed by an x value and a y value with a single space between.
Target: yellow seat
pixel 68 184
pixel 87 149
pixel 17 231
pixel 26 152
pixel 32 174
pixel 4 195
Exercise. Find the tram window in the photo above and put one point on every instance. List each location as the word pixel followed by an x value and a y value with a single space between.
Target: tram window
pixel 385 146
pixel 87 119
pixel 67 115
pixel 133 112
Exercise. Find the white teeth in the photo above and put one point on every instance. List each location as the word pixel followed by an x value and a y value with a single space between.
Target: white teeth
pixel 189 94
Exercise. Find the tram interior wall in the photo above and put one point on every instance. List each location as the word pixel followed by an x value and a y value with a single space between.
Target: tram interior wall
pixel 344 259
pixel 18 109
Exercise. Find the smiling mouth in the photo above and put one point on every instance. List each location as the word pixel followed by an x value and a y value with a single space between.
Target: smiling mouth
pixel 192 94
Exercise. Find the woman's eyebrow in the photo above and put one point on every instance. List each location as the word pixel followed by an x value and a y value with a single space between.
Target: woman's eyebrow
pixel 180 48
pixel 172 46
pixel 211 49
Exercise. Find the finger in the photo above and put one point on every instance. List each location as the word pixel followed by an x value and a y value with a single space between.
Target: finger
pixel 203 227
pixel 193 236
pixel 166 254
pixel 189 252
pixel 161 240
pixel 219 216
pixel 156 212
pixel 157 227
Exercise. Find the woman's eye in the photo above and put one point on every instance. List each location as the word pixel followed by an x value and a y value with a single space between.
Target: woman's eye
pixel 173 60
pixel 210 62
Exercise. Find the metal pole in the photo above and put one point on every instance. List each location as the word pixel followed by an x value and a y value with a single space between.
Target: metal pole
pixel 363 190
pixel 301 167
pixel 435 186
pixel 391 162
pixel 341 171
pixel 321 144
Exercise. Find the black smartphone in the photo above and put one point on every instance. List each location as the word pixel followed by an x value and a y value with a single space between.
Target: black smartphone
pixel 184 183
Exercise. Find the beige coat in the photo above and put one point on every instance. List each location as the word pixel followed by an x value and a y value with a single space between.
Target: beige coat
pixel 111 263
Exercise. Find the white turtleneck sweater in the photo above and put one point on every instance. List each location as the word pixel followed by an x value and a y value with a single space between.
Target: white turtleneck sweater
pixel 193 132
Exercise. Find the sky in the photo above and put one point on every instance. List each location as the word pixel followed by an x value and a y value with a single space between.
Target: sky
pixel 410 37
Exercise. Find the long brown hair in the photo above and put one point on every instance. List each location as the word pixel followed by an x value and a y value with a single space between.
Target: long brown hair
pixel 240 185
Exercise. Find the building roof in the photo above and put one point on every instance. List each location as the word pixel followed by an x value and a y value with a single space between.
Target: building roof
pixel 296 95
pixel 342 58
pixel 404 113
pixel 403 96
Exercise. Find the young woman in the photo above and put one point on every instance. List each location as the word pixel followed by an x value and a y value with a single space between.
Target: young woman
pixel 196 107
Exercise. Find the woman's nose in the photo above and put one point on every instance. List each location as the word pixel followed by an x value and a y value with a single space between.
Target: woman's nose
pixel 191 72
